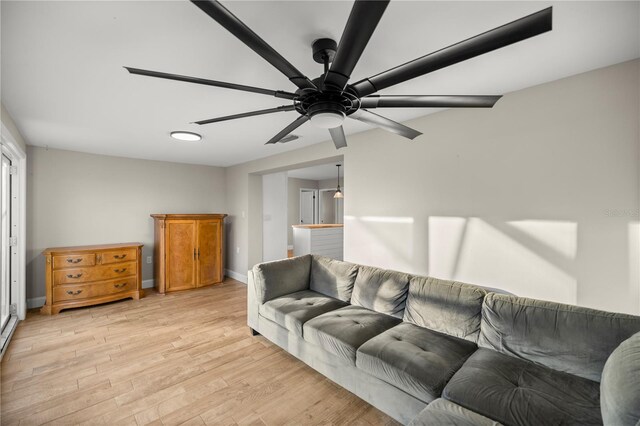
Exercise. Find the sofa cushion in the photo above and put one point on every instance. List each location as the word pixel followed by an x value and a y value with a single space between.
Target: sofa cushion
pixel 381 290
pixel 566 338
pixel 417 360
pixel 445 413
pixel 293 310
pixel 620 387
pixel 515 391
pixel 447 306
pixel 280 277
pixel 341 332
pixel 333 278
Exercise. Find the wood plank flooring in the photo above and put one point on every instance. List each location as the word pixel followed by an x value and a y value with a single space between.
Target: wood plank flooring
pixel 184 358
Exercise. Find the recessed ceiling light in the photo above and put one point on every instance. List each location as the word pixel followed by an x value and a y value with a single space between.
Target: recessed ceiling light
pixel 185 136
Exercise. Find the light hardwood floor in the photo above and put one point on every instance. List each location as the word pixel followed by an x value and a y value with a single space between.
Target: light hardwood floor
pixel 183 358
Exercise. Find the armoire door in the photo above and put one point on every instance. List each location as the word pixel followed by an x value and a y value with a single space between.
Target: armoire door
pixel 181 254
pixel 209 252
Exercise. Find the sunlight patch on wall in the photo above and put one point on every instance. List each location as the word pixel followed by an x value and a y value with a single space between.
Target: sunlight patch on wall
pixel 634 262
pixel 384 219
pixel 557 235
pixel 487 256
pixel 383 241
pixel 445 237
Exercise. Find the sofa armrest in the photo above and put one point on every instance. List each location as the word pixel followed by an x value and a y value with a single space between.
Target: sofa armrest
pixel 620 386
pixel 252 302
pixel 281 277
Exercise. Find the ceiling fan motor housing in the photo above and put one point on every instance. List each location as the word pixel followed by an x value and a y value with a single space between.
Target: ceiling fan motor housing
pixel 324 48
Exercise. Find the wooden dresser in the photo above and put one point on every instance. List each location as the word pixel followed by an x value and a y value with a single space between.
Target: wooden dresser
pixel 88 275
pixel 188 251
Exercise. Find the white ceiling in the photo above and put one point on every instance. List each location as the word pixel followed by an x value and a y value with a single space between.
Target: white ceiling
pixel 62 78
pixel 321 172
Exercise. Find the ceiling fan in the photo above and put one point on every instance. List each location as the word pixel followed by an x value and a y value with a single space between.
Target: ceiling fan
pixel 327 100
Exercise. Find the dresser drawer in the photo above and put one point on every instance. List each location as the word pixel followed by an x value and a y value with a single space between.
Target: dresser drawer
pixel 95 273
pixel 74 260
pixel 116 256
pixel 84 291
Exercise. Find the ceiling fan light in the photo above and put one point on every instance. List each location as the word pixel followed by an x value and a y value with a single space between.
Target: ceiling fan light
pixel 327 119
pixel 186 136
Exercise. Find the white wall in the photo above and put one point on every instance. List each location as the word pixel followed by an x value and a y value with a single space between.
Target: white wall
pixel 274 216
pixel 77 199
pixel 331 183
pixel 538 196
pixel 6 119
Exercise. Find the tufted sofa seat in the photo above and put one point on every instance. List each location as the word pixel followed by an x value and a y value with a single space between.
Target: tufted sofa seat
pixel 435 352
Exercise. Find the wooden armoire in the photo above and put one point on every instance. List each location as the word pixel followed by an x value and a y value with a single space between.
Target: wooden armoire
pixel 188 251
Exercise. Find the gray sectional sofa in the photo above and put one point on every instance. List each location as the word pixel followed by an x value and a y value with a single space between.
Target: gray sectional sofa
pixel 434 352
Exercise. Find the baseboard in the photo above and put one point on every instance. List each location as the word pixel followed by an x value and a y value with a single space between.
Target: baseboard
pixel 36 302
pixel 236 276
pixel 147 284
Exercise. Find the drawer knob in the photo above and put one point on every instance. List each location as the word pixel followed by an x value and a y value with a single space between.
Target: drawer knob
pixel 119 256
pixel 74 293
pixel 121 270
pixel 71 260
pixel 74 276
pixel 120 285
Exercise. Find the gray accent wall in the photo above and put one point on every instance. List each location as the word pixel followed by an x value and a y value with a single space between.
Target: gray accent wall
pixel 78 199
pixel 538 196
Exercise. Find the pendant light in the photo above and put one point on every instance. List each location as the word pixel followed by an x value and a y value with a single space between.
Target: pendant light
pixel 338 193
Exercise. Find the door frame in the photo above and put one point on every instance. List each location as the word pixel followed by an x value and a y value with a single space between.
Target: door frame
pixel 316 210
pixel 10 148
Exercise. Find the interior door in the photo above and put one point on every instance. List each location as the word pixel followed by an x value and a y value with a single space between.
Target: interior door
pixel 5 234
pixel 181 254
pixel 307 206
pixel 209 256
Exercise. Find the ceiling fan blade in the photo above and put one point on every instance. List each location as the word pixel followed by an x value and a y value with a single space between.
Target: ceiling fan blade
pixel 385 123
pixel 529 26
pixel 339 139
pixel 247 114
pixel 236 27
pixel 363 20
pixel 417 101
pixel 276 93
pixel 290 128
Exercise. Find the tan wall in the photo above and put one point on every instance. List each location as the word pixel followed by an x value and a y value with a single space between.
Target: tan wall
pixel 293 202
pixel 538 196
pixel 76 199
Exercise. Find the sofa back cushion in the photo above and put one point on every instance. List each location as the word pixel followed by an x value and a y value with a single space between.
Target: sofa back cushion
pixel 280 277
pixel 449 307
pixel 333 278
pixel 566 338
pixel 381 290
pixel 620 386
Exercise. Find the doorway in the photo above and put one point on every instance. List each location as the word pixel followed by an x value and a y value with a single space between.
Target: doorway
pixel 308 206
